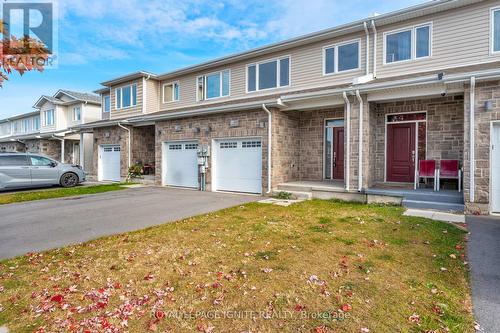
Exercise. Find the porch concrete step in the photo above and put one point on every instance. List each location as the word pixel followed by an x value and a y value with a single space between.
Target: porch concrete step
pixel 452 197
pixel 294 188
pixel 296 195
pixel 441 206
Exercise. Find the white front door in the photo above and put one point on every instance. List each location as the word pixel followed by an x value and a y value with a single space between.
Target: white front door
pixel 180 164
pixel 495 169
pixel 109 163
pixel 238 165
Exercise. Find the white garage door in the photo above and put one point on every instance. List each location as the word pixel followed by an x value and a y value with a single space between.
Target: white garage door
pixel 238 165
pixel 495 169
pixel 109 163
pixel 181 164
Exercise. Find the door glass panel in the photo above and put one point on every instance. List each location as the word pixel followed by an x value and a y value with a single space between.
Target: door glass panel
pixel 335 123
pixel 328 152
pixel 422 142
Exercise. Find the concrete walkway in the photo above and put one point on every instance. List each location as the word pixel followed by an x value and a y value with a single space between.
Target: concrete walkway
pixel 484 257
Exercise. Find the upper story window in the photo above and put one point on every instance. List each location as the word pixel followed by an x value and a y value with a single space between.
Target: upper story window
pixel 171 92
pixel 16 126
pixel 213 85
pixel 26 125
pixel 408 44
pixel 268 74
pixel 126 96
pixel 106 104
pixel 48 117
pixel 77 113
pixel 36 123
pixel 495 27
pixel 341 57
pixel 5 129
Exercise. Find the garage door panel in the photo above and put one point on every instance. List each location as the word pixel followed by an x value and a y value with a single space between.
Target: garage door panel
pixel 181 164
pixel 109 160
pixel 239 165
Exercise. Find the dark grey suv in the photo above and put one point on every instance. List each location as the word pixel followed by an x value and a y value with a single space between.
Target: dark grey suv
pixel 21 170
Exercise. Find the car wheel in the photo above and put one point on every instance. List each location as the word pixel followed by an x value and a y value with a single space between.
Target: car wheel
pixel 69 180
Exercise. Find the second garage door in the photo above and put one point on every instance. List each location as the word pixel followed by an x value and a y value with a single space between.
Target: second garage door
pixel 238 165
pixel 109 163
pixel 181 164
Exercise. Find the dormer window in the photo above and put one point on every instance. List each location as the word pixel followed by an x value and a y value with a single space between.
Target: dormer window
pixel 77 113
pixel 48 117
pixel 126 96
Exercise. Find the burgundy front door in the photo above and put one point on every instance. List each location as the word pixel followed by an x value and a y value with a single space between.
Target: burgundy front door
pixel 401 152
pixel 338 153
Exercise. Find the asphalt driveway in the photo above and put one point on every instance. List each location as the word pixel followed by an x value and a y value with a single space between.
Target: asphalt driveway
pixel 46 224
pixel 484 257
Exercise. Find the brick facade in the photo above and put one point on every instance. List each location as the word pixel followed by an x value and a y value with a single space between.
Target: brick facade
pixel 250 124
pixel 485 91
pixel 111 136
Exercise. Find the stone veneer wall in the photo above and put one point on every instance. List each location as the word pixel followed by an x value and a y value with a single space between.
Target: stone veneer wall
pixel 485 91
pixel 249 126
pixel 286 147
pixel 12 147
pixel 445 128
pixel 143 145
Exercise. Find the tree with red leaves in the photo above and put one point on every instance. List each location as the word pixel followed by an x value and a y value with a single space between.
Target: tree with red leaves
pixel 21 55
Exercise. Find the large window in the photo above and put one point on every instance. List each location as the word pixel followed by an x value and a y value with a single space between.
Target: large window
pixel 5 129
pixel 408 44
pixel 268 74
pixel 26 125
pixel 36 123
pixel 341 57
pixel 213 85
pixel 77 113
pixel 495 33
pixel 171 92
pixel 126 96
pixel 106 103
pixel 48 117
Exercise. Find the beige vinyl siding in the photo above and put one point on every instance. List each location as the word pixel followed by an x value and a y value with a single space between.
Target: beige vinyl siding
pixel 306 65
pixel 126 112
pixel 152 96
pixel 48 106
pixel 460 37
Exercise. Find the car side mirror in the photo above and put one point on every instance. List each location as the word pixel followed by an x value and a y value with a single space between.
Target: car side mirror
pixel 53 164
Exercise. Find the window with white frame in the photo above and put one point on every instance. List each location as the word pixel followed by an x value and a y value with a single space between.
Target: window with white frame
pixel 213 85
pixel 408 44
pixel 36 123
pixel 26 125
pixel 126 96
pixel 495 27
pixel 341 57
pixel 268 74
pixel 106 104
pixel 77 113
pixel 48 117
pixel 5 129
pixel 171 92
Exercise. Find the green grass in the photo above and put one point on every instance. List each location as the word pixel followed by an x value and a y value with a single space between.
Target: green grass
pixel 9 198
pixel 373 269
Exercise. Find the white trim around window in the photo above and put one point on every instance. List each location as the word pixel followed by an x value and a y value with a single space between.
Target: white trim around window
pixel 278 74
pixel 492 31
pixel 133 86
pixel 204 78
pixel 46 118
pixel 77 113
pixel 336 57
pixel 413 56
pixel 176 91
pixel 108 97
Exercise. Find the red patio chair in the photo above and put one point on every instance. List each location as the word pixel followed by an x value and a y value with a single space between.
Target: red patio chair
pixel 427 170
pixel 450 169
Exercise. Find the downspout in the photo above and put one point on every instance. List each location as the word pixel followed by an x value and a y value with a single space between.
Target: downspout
pixel 144 93
pixel 348 143
pixel 367 32
pixel 360 143
pixel 374 49
pixel 129 144
pixel 269 146
pixel 471 140
pixel 62 146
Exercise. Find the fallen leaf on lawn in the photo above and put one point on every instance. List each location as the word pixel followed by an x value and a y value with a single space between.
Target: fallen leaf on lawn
pixel 365 330
pixel 414 318
pixel 453 256
pixel 267 270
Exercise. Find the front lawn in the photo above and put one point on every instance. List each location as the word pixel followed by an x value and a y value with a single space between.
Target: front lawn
pixel 317 266
pixel 7 198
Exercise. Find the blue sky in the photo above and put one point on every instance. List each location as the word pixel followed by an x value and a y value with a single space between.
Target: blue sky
pixel 99 40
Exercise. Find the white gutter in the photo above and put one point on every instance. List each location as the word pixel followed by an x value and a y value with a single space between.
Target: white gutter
pixel 360 143
pixel 374 49
pixel 269 147
pixel 471 139
pixel 129 143
pixel 367 32
pixel 348 144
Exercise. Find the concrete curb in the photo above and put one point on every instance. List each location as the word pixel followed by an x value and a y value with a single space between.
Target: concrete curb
pixel 438 216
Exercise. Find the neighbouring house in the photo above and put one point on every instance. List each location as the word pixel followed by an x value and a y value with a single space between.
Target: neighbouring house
pixel 47 130
pixel 345 112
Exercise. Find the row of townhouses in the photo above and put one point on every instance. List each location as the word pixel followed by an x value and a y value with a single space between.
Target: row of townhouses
pixel 359 105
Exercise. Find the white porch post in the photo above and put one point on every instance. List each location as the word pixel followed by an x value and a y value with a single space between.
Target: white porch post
pixel 82 151
pixel 348 141
pixel 62 150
